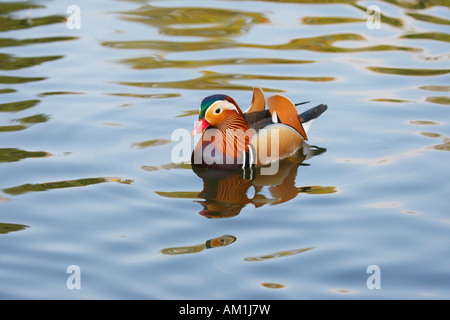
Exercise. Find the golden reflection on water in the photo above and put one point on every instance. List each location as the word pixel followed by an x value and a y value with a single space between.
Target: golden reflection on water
pixel 439 100
pixel 407 4
pixel 14 154
pixel 18 105
pixel 436 88
pixel 46 186
pixel 24 22
pixel 10 62
pixel 440 36
pixel 272 285
pixel 329 20
pixel 278 254
pixel 218 28
pixel 191 21
pixel 156 62
pixel 221 81
pixel 344 291
pixel 221 241
pixel 318 44
pixel 428 18
pixel 11 227
pixel 409 71
pixel 25 122
pixel 18 80
pixel 146 96
pixel 150 143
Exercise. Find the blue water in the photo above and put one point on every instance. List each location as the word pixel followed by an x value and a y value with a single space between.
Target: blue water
pixel 87 179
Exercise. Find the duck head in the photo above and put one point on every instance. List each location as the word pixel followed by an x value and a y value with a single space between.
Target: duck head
pixel 221 112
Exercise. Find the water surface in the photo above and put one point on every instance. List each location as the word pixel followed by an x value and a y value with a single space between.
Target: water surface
pixel 87 179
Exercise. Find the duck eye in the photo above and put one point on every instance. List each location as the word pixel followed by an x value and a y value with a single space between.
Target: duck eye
pixel 217 111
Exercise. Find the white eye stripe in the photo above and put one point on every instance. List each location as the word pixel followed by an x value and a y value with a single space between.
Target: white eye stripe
pixel 223 105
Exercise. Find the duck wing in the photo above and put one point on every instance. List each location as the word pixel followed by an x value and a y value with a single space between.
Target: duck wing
pixel 260 119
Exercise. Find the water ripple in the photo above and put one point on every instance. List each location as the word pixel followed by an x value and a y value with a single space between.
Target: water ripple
pixel 323 43
pixel 214 80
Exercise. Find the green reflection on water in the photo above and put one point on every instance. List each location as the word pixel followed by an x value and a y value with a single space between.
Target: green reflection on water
pixel 389 100
pixel 409 71
pixel 17 80
pixel 213 80
pixel 55 93
pixel 395 22
pixel 13 154
pixel 428 18
pixel 416 4
pixel 445 146
pixel 424 122
pixel 7 23
pixel 25 121
pixel 7 90
pixel 160 62
pixel 146 96
pixel 37 118
pixel 329 20
pixel 11 227
pixel 150 143
pixel 419 4
pixel 12 128
pixel 440 36
pixel 25 188
pixel 436 88
pixel 179 194
pixel 10 21
pixel 318 44
pixel 9 62
pixel 8 7
pixel 191 21
pixel 18 105
pixel 439 100
pixel 9 42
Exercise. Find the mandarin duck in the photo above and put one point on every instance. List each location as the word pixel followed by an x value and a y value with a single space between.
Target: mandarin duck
pixel 232 139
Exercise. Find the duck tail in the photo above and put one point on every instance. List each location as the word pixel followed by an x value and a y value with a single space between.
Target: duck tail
pixel 307 117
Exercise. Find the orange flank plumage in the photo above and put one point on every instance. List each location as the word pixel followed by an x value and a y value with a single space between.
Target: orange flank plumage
pixel 286 112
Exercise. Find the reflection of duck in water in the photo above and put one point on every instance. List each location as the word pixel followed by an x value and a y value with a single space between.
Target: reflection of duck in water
pixel 212 243
pixel 225 193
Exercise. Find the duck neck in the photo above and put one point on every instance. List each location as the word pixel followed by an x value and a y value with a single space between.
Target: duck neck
pixel 235 136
